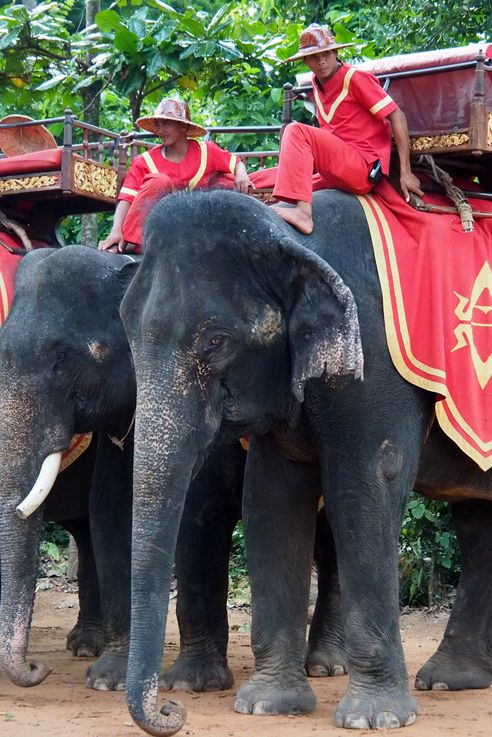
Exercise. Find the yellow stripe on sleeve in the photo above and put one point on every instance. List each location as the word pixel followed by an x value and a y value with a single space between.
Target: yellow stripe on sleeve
pixel 128 191
pixel 381 104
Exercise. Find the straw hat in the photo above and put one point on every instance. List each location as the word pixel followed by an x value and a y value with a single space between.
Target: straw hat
pixel 314 39
pixel 25 140
pixel 170 108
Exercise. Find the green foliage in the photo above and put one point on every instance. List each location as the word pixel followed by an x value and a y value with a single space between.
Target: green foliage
pixel 239 592
pixel 430 560
pixel 54 550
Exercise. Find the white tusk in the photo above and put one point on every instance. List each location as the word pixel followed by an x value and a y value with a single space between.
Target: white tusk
pixel 42 486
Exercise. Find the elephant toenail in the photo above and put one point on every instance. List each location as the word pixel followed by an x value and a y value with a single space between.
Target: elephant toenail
pixel 411 719
pixel 318 671
pixel 263 708
pixel 181 686
pixel 420 684
pixel 338 670
pixel 356 721
pixel 242 706
pixel 386 720
pixel 440 686
pixel 100 685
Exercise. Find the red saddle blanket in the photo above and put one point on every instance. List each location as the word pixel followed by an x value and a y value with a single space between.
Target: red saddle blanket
pixel 437 300
pixel 9 263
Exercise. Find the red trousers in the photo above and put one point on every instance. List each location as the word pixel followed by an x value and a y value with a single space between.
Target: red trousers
pixel 305 150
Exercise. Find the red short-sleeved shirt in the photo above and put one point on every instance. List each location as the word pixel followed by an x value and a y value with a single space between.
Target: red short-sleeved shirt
pixel 354 106
pixel 201 162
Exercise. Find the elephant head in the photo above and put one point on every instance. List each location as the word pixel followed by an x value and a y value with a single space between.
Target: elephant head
pixel 65 367
pixel 227 322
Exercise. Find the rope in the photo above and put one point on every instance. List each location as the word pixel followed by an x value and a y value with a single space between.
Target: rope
pixel 426 162
pixel 13 227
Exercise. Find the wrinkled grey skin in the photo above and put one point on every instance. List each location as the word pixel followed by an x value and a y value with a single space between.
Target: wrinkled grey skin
pixel 238 325
pixel 65 368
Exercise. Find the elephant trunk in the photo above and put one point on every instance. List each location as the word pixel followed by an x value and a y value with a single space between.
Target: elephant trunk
pixel 20 460
pixel 19 558
pixel 166 449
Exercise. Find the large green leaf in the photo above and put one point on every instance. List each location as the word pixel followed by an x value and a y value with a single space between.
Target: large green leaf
pixel 108 21
pixel 126 41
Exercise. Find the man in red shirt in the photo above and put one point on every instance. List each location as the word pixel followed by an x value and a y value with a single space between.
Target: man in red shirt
pixel 353 112
pixel 180 162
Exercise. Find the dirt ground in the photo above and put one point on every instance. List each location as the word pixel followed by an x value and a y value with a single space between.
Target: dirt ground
pixel 63 707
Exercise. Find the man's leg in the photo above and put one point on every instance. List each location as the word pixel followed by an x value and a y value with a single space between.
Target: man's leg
pixel 306 149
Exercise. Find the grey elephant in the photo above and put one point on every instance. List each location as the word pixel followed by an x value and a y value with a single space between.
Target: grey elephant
pixel 65 367
pixel 68 369
pixel 239 325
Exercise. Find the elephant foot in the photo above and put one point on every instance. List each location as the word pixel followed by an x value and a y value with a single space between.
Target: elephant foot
pixel 85 642
pixel 327 661
pixel 390 710
pixel 108 673
pixel 191 674
pixel 453 672
pixel 268 696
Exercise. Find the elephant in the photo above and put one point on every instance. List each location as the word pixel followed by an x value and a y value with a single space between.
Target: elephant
pixel 238 324
pixel 69 370
pixel 65 367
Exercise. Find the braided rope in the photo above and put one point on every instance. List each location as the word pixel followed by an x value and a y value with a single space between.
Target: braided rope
pixel 13 227
pixel 426 161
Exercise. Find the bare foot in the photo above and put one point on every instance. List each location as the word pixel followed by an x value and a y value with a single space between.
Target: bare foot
pixel 297 215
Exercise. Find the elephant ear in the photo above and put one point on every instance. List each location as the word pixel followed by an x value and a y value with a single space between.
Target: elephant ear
pixel 324 331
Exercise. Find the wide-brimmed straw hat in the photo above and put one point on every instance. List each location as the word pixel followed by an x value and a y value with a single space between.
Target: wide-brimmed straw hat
pixel 25 139
pixel 314 39
pixel 170 108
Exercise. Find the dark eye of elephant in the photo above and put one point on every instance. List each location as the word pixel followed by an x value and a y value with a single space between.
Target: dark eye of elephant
pixel 216 341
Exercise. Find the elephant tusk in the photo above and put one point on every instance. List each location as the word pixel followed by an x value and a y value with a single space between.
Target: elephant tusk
pixel 42 486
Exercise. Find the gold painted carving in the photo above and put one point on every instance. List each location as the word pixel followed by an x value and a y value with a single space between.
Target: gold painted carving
pixel 423 143
pixel 100 180
pixel 16 185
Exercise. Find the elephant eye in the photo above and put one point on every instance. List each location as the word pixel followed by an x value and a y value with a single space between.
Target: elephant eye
pixel 216 341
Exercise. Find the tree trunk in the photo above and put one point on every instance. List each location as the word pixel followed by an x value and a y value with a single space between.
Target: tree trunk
pixel 91 98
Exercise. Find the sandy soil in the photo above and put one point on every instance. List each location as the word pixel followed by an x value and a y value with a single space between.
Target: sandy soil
pixel 63 707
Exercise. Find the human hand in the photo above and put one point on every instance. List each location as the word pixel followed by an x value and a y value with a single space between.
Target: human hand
pixel 113 243
pixel 242 182
pixel 410 183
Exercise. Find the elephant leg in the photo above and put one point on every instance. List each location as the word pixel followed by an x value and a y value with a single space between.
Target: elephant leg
pixel 366 483
pixel 326 650
pixel 280 500
pixel 464 657
pixel 212 509
pixel 110 515
pixel 86 638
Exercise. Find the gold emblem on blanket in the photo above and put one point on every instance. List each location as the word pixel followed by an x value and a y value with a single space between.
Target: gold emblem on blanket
pixel 482 288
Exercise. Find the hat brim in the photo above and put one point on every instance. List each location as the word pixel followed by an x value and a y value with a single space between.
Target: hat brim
pixel 151 124
pixel 24 140
pixel 317 50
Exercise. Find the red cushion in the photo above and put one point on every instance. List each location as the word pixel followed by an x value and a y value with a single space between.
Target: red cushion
pixel 48 160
